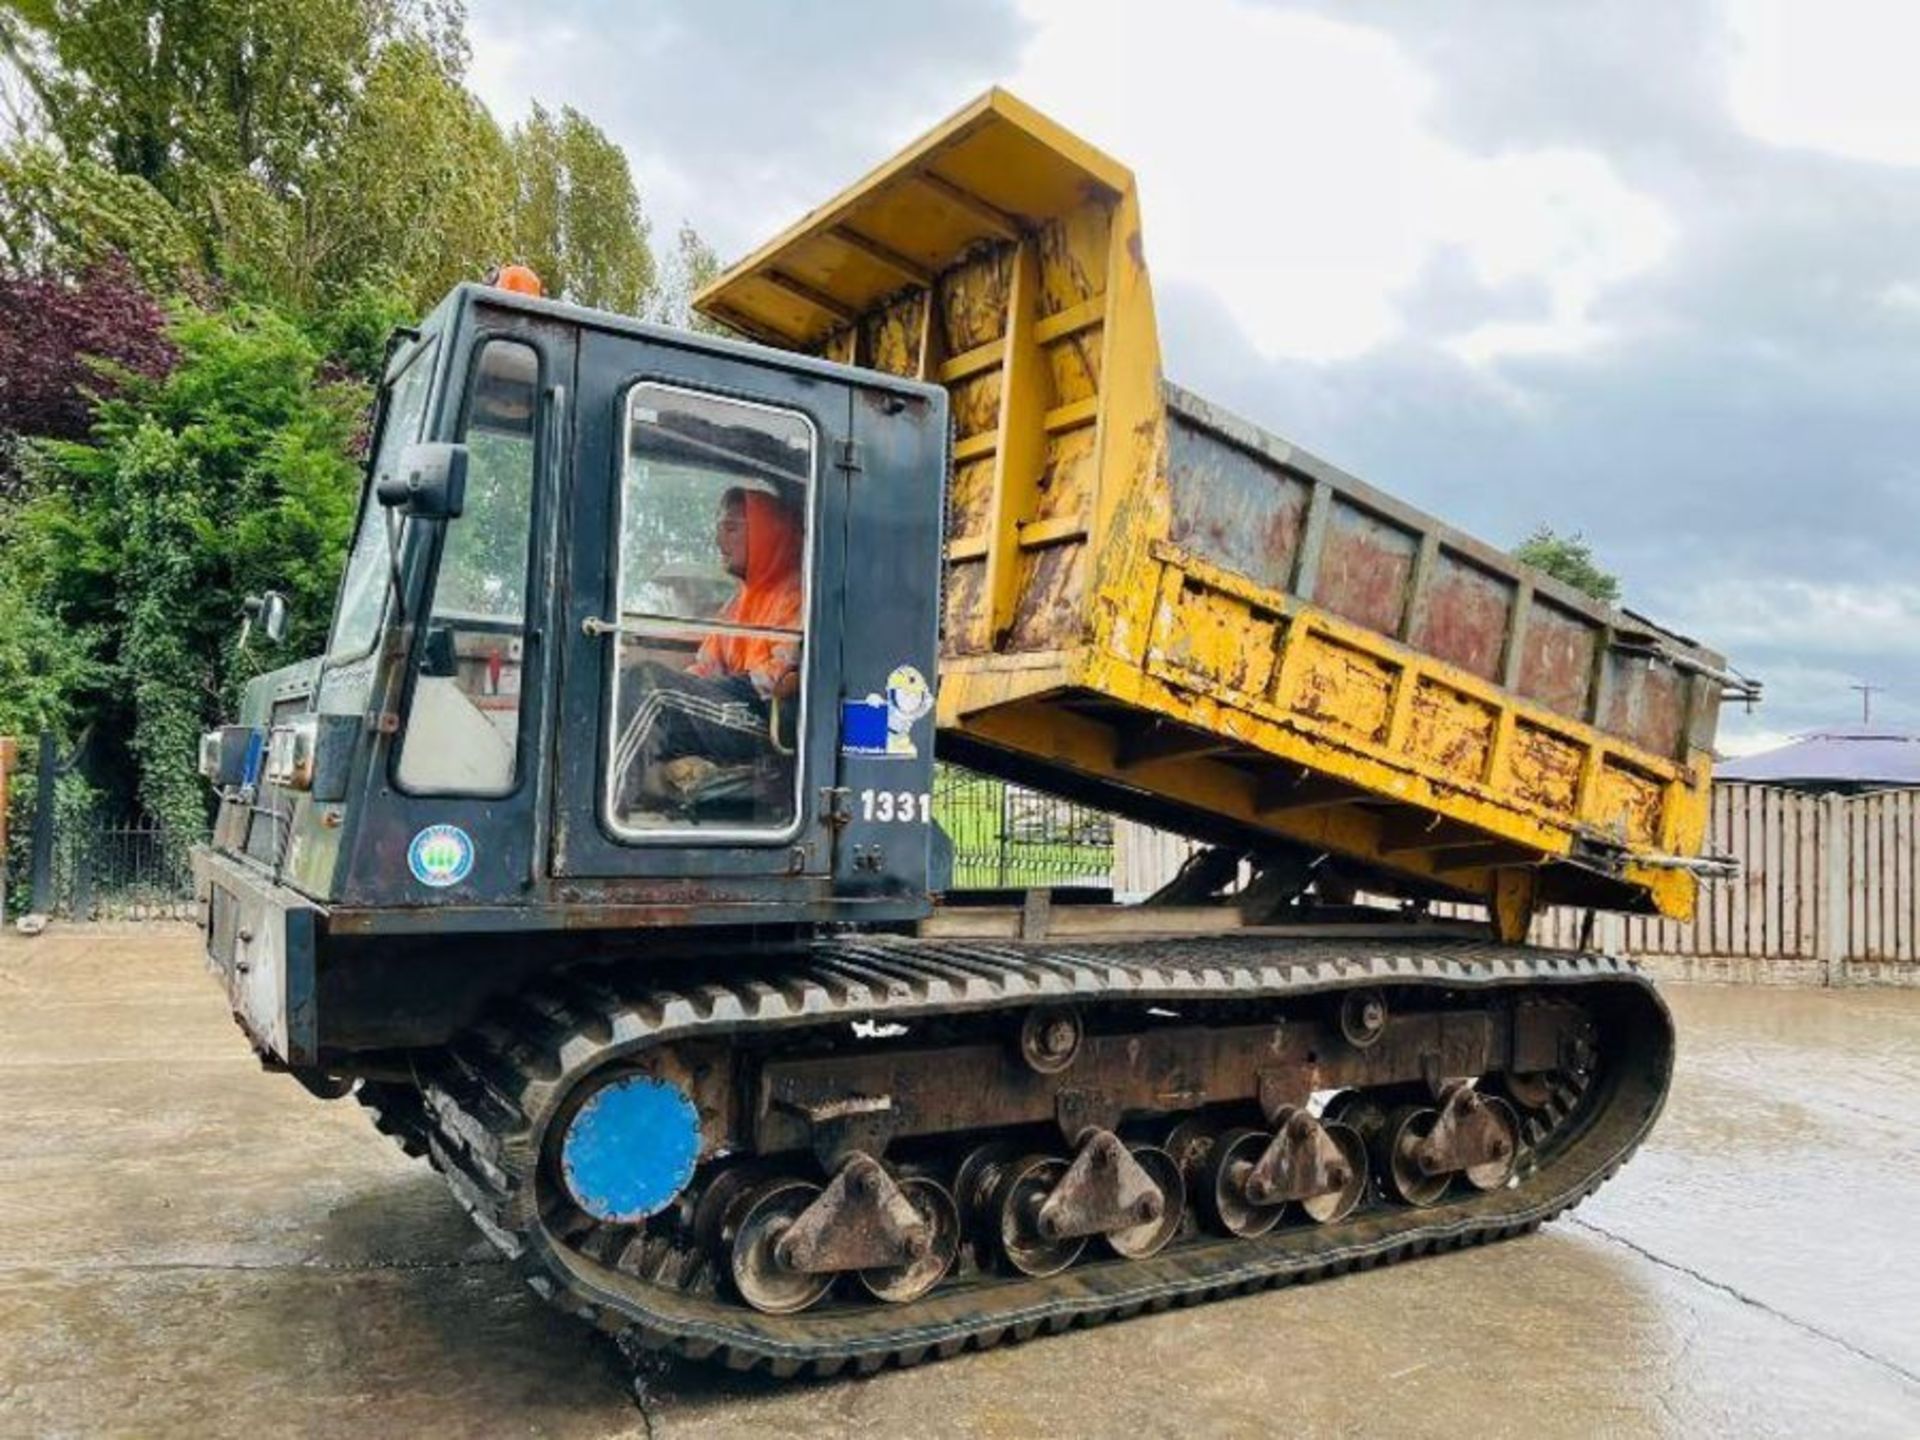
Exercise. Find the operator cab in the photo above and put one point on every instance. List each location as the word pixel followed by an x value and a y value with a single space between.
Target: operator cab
pixel 635 633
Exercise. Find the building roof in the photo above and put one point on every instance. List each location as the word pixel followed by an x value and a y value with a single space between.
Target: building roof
pixel 1840 755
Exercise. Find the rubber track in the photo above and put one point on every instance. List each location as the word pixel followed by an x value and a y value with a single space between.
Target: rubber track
pixel 487 1109
pixel 397 1113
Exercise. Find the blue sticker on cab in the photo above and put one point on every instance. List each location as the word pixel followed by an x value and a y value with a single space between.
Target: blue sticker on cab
pixel 441 855
pixel 863 726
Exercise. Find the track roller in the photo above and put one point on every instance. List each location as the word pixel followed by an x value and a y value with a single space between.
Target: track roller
pixel 1472 1135
pixel 1150 1237
pixel 1012 1197
pixel 751 1235
pixel 1107 1191
pixel 1322 1166
pixel 1224 1174
pixel 897 1284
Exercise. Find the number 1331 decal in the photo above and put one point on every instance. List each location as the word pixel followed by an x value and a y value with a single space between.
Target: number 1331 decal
pixel 896 806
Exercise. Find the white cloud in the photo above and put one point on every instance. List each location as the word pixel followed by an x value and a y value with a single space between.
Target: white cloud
pixel 1903 295
pixel 1805 617
pixel 1837 77
pixel 1812 646
pixel 1286 164
pixel 1750 742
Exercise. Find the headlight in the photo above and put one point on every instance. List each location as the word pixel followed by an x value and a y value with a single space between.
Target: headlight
pixel 290 751
pixel 230 756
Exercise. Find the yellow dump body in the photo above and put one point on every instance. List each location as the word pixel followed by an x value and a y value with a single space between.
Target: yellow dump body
pixel 1160 608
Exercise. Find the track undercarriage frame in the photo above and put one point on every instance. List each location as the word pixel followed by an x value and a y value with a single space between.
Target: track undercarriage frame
pixel 907 1148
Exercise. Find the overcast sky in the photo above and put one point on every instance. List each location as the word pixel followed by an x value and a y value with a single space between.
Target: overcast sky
pixel 1647 270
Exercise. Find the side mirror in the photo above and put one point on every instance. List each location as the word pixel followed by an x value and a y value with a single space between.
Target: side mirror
pixel 270 612
pixel 430 483
pixel 273 616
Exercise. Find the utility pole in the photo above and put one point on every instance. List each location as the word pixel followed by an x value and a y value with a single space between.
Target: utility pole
pixel 1867 692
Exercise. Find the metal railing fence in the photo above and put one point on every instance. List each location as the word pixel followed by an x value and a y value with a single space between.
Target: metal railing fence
pixel 1007 837
pixel 137 871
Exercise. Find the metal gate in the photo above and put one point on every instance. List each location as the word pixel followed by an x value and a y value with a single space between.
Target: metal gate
pixel 1007 837
pixel 72 861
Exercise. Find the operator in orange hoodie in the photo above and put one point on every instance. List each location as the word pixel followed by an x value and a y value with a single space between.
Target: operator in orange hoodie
pixel 717 708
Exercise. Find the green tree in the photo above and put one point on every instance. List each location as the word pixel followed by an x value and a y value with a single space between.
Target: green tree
pixel 353 324
pixel 45 664
pixel 63 216
pixel 229 475
pixel 685 273
pixel 168 90
pixel 418 191
pixel 1568 558
pixel 577 218
pixel 289 141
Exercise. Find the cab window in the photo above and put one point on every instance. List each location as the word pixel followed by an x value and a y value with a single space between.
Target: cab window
pixel 364 591
pixel 463 728
pixel 709 664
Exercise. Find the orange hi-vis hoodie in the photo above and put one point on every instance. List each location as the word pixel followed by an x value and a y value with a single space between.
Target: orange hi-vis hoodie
pixel 769 597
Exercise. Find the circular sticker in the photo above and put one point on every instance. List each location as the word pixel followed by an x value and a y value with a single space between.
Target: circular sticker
pixel 441 855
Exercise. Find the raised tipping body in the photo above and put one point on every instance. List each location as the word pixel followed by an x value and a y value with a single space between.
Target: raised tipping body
pixel 596 856
pixel 1168 612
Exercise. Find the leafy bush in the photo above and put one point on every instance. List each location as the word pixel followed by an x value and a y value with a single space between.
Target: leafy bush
pixel 228 475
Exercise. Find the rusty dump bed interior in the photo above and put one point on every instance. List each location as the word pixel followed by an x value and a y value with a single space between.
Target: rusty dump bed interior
pixel 1160 608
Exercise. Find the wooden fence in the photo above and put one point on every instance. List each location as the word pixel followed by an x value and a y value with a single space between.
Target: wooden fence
pixel 1828 891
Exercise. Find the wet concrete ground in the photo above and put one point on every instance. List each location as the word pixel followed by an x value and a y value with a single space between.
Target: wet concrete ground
pixel 189 1247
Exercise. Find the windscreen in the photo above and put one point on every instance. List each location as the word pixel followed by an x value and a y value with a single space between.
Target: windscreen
pixel 363 593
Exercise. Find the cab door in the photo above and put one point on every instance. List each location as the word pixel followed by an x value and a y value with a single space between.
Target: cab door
pixel 889 656
pixel 699 609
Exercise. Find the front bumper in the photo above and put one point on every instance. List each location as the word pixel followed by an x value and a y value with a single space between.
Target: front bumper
pixel 260 944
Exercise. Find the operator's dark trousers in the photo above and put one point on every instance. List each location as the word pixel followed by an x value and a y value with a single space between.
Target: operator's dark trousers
pixel 723 720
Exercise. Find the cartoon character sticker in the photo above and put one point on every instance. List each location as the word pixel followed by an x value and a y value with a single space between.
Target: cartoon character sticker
pixel 883 724
pixel 441 855
pixel 909 697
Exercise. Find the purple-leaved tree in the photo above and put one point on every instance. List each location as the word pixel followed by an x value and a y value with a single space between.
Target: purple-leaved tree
pixel 62 341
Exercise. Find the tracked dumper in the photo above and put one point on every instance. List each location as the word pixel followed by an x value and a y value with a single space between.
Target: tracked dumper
pixel 597 859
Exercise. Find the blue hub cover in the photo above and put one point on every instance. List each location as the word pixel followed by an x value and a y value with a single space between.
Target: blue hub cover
pixel 630 1149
